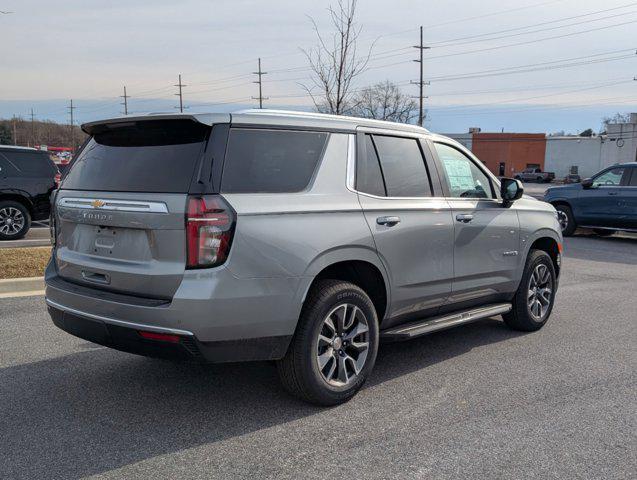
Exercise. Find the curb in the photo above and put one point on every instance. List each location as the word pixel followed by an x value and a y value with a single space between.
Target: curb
pixel 21 287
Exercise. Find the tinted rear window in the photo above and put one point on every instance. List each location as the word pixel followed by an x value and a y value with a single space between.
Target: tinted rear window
pixel 149 156
pixel 270 161
pixel 403 167
pixel 31 163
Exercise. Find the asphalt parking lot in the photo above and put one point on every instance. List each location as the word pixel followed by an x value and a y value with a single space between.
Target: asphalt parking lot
pixel 479 401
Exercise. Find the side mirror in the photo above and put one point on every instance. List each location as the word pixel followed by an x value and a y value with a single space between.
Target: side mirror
pixel 510 190
pixel 587 183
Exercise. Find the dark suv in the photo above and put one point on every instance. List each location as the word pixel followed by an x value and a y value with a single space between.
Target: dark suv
pixel 27 178
pixel 607 202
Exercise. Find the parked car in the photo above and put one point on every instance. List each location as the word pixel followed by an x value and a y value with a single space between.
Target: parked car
pixel 606 203
pixel 535 175
pixel 572 178
pixel 300 238
pixel 27 178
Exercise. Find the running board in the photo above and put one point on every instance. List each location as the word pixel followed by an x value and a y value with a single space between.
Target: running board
pixel 430 325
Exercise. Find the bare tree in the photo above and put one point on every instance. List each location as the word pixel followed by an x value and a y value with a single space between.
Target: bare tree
pixel 335 62
pixel 383 101
pixel 617 118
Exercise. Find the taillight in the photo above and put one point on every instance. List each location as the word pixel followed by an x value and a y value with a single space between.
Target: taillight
pixel 209 231
pixel 58 179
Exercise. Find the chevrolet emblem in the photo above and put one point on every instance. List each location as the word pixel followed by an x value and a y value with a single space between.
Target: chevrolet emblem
pixel 97 204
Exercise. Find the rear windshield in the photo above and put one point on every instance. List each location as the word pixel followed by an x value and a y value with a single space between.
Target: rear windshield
pixel 149 156
pixel 31 163
pixel 270 161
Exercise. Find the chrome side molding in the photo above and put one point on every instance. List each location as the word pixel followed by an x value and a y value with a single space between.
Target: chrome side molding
pixel 430 325
pixel 118 205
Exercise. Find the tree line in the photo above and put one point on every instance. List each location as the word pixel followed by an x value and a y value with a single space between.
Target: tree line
pixel 25 133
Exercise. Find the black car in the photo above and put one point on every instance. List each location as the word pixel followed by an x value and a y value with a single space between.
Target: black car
pixel 27 178
pixel 607 202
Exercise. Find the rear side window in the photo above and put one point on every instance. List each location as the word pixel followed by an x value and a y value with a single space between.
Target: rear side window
pixel 369 178
pixel 147 156
pixel 31 163
pixel 633 178
pixel 403 167
pixel 271 161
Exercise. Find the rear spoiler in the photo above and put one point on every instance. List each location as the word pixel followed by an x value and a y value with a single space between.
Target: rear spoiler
pixel 205 118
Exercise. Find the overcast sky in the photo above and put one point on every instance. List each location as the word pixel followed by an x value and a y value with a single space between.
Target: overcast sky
pixel 88 50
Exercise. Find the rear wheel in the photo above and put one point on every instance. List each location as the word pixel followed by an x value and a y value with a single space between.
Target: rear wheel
pixel 334 348
pixel 533 302
pixel 565 217
pixel 15 220
pixel 602 232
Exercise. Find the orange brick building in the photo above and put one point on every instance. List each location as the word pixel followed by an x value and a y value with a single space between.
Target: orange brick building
pixel 506 153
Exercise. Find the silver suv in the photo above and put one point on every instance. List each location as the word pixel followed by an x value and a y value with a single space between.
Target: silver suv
pixel 295 237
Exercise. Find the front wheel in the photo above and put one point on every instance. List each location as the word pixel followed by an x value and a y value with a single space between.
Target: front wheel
pixel 334 348
pixel 533 301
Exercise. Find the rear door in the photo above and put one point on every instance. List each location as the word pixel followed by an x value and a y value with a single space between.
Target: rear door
pixel 486 235
pixel 410 222
pixel 121 207
pixel 628 200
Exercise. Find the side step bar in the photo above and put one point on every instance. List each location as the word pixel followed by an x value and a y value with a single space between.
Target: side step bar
pixel 430 325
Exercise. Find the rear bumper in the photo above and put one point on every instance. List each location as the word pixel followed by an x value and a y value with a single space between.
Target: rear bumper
pixel 183 345
pixel 217 317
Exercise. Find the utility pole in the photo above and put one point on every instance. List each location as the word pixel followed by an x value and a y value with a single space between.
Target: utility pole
pixel 71 108
pixel 260 73
pixel 181 98
pixel 32 128
pixel 125 102
pixel 15 132
pixel 421 47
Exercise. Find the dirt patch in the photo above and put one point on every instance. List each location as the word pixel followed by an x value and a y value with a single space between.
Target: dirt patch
pixel 23 262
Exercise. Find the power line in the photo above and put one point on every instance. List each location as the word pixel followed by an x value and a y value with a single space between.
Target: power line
pixel 260 74
pixel 421 83
pixel 125 102
pixel 180 95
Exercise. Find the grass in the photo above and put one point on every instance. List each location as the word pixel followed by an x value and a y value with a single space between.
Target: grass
pixel 23 262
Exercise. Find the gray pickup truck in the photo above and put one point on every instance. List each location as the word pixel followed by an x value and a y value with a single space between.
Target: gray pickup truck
pixel 535 175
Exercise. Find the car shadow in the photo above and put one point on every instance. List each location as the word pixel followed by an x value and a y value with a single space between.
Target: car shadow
pixel 97 410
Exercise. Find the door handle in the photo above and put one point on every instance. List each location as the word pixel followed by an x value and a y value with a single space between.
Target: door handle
pixel 464 217
pixel 388 221
pixel 613 193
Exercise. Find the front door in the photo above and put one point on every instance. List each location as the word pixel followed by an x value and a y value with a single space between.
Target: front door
pixel 412 229
pixel 486 236
pixel 600 204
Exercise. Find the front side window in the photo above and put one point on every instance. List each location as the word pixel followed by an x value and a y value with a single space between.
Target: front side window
pixel 610 178
pixel 271 161
pixel 464 178
pixel 403 166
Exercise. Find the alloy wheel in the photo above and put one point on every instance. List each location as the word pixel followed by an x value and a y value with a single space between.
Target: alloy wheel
pixel 11 221
pixel 540 292
pixel 562 217
pixel 343 344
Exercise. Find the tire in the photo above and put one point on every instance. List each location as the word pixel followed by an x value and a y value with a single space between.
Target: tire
pixel 12 214
pixel 603 233
pixel 567 221
pixel 539 266
pixel 540 180
pixel 300 370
